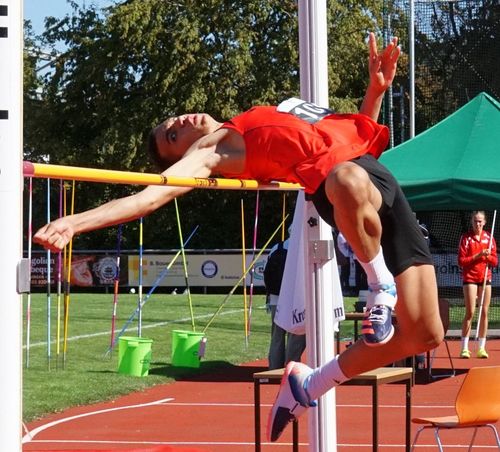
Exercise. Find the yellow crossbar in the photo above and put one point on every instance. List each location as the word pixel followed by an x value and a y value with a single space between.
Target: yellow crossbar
pixel 126 177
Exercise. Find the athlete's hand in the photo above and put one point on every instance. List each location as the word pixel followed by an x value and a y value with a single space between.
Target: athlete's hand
pixel 382 67
pixel 56 235
pixel 483 255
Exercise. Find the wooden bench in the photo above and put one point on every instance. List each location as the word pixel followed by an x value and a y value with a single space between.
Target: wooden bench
pixel 374 378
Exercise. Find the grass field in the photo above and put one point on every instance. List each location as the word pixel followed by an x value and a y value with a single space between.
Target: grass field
pixel 90 376
pixel 457 312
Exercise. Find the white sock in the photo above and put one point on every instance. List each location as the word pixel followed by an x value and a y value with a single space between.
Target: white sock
pixel 465 343
pixel 482 342
pixel 377 273
pixel 376 270
pixel 325 378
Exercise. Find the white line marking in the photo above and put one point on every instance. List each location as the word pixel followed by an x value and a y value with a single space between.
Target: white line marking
pixel 153 325
pixel 338 405
pixel 30 435
pixel 240 443
pixel 170 401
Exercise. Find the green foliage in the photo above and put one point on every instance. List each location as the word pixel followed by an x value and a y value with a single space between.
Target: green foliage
pixel 127 68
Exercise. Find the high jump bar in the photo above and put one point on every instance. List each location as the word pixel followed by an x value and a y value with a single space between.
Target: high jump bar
pixel 126 177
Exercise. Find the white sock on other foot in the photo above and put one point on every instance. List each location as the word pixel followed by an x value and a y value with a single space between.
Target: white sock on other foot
pixel 325 378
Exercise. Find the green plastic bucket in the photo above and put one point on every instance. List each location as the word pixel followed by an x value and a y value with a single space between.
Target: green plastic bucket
pixel 188 348
pixel 134 356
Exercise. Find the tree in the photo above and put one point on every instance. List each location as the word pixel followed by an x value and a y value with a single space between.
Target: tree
pixel 128 67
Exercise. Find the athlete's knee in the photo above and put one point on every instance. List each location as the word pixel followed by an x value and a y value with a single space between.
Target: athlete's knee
pixel 427 336
pixel 421 335
pixel 433 336
pixel 348 176
pixel 347 181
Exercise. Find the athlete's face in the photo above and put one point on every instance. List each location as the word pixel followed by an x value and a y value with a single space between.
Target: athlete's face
pixel 478 222
pixel 175 135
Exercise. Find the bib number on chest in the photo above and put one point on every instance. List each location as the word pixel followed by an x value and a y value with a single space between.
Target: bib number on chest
pixel 306 111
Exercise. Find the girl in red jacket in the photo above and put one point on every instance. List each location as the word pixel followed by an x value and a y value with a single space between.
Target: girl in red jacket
pixel 476 255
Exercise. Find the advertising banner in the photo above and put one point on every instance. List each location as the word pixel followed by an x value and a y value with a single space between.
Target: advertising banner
pixel 208 270
pixel 204 270
pixel 39 270
pixel 87 270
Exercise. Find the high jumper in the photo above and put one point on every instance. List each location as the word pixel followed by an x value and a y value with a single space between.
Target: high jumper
pixel 334 157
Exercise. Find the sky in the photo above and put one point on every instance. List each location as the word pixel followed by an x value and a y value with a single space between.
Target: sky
pixel 37 10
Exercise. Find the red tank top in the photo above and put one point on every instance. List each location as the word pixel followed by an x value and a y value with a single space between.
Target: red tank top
pixel 284 147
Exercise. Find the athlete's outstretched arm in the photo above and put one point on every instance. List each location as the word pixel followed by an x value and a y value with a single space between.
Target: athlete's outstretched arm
pixel 55 235
pixel 382 69
pixel 199 162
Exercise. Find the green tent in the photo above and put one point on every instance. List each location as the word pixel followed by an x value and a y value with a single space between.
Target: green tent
pixel 454 165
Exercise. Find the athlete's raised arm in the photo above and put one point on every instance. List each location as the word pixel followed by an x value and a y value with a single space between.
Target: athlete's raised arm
pixel 382 69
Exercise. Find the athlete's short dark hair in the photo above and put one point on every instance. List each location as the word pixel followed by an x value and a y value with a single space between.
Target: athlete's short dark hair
pixel 154 152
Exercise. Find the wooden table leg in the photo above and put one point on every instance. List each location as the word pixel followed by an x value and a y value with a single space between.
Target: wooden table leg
pixel 256 407
pixel 375 416
pixel 356 334
pixel 408 415
pixel 295 435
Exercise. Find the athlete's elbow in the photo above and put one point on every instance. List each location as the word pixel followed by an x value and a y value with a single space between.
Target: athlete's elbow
pixel 148 208
pixel 153 205
pixel 144 206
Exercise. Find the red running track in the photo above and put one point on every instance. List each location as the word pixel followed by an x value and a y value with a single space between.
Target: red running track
pixel 214 413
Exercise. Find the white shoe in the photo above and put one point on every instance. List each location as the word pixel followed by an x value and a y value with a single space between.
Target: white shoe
pixel 292 399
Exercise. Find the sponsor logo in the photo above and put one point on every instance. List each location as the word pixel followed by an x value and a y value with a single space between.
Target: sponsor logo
pixel 209 269
pixel 298 316
pixel 338 312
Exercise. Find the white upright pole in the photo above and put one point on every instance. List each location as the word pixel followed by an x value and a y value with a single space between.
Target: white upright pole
pixel 313 51
pixel 11 183
pixel 322 280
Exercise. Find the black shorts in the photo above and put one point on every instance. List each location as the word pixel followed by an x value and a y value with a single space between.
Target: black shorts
pixel 478 284
pixel 403 242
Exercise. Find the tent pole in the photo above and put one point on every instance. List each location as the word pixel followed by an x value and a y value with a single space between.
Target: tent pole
pixel 411 38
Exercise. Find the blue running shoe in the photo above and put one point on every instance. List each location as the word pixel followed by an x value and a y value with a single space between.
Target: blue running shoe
pixel 377 325
pixel 292 399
